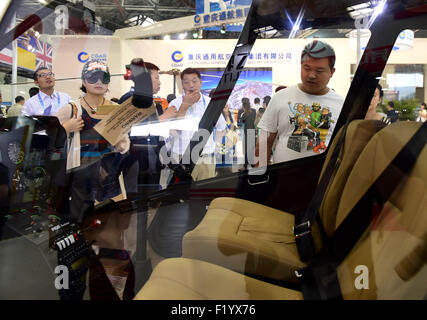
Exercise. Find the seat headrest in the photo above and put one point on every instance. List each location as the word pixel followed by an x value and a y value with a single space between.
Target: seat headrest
pixel 357 136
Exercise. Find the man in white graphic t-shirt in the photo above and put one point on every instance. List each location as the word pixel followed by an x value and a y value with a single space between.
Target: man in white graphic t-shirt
pixel 302 117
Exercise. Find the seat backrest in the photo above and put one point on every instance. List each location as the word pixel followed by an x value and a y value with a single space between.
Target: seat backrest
pixel 358 134
pixel 389 261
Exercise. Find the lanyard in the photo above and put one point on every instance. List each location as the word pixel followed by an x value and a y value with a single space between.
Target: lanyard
pixel 42 103
pixel 204 103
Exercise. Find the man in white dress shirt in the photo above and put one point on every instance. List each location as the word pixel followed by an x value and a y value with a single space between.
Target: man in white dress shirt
pixel 192 105
pixel 48 101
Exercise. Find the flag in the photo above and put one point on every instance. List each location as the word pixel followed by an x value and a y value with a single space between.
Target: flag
pixel 6 54
pixel 26 59
pixel 43 53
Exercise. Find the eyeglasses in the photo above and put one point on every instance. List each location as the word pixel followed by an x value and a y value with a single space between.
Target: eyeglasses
pixel 43 75
pixel 93 77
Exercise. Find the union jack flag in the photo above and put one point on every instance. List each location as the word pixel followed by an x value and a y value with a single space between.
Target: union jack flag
pixel 43 53
pixel 6 54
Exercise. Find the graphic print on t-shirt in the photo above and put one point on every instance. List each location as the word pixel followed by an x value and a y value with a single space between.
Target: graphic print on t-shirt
pixel 311 126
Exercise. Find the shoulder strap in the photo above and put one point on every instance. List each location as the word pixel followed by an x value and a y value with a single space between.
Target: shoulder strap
pixel 319 279
pixel 305 220
pixel 74 110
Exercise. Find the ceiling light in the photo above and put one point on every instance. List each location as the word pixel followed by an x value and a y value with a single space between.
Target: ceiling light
pixel 195 34
pixel 380 8
pixel 167 37
pixel 296 25
pixel 223 29
pixel 182 35
pixel 377 11
pixel 358 6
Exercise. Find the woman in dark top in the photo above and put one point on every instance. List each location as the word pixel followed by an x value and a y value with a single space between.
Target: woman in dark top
pixel 95 174
pixel 246 119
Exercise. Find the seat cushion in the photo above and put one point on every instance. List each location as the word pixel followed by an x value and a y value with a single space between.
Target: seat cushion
pixel 246 237
pixel 187 279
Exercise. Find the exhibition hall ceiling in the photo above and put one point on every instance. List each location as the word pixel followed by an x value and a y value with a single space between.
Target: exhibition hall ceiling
pixel 111 15
pixel 116 14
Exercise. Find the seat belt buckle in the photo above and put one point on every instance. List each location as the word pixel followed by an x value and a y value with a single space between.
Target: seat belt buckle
pixel 302 229
pixel 298 273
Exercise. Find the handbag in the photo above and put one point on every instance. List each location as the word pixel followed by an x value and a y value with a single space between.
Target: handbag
pixel 110 167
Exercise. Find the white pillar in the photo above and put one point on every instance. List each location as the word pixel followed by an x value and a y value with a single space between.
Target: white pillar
pixel 425 83
pixel 14 63
pixel 359 45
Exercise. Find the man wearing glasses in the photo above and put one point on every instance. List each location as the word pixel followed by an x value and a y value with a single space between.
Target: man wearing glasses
pixel 48 101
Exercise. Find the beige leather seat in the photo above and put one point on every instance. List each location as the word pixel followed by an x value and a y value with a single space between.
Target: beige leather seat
pixel 254 239
pixel 181 278
pixel 388 262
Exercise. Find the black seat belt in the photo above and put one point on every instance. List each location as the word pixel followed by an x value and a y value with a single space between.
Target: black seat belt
pixel 319 279
pixel 305 220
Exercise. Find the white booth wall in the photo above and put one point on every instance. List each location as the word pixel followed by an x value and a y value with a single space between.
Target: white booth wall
pixel 285 71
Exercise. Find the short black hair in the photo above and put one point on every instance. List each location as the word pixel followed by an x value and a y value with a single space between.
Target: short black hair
pixel 35 76
pixel 170 97
pixel 191 71
pixel 148 65
pixel 33 91
pixel 318 49
pixel 19 99
pixel 257 100
pixel 391 104
pixel 151 66
pixel 266 100
pixel 424 104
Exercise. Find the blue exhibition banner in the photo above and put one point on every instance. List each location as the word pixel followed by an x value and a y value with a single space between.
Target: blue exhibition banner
pixel 212 14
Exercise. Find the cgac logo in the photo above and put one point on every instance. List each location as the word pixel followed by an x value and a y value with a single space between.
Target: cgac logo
pixel 177 56
pixel 197 19
pixel 83 57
